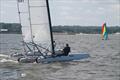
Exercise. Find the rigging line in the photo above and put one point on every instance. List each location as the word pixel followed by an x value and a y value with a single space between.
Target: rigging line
pixel 19 12
pixel 40 47
pixel 28 46
pixel 30 24
pixel 37 46
pixel 30 20
pixel 20 23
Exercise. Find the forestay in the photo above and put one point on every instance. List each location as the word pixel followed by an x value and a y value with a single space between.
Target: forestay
pixel 35 22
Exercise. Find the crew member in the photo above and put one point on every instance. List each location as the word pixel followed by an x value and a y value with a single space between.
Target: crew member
pixel 65 51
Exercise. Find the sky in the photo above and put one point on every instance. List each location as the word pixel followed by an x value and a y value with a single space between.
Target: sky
pixel 71 12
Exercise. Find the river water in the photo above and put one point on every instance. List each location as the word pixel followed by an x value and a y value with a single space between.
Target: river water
pixel 103 64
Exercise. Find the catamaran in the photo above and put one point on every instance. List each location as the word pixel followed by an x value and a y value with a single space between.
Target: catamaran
pixel 38 43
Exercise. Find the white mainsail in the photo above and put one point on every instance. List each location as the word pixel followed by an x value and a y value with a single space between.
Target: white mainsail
pixel 35 22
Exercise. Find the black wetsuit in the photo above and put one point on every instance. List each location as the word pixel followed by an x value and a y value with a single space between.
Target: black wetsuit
pixel 66 51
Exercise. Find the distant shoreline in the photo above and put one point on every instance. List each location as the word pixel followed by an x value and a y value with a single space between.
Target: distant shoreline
pixel 15 28
pixel 63 33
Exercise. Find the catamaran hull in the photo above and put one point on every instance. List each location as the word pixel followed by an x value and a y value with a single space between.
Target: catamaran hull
pixel 72 57
pixel 27 60
pixel 48 59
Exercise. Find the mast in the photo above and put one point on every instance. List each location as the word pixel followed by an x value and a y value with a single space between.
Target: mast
pixel 50 25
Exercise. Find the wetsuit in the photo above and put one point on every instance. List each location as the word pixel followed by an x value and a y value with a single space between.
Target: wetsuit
pixel 66 51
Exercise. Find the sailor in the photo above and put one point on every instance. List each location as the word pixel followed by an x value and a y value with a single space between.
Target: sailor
pixel 54 45
pixel 65 51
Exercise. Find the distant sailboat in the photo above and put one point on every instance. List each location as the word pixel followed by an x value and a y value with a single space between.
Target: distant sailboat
pixel 104 33
pixel 34 16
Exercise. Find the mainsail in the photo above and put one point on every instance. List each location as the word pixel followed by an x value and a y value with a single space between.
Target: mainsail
pixel 35 22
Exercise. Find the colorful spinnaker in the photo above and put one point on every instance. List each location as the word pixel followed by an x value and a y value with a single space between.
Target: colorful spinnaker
pixel 104 32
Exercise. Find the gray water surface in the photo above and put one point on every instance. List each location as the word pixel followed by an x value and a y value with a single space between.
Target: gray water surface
pixel 104 63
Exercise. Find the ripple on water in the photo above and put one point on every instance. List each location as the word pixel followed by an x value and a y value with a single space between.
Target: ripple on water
pixel 10 74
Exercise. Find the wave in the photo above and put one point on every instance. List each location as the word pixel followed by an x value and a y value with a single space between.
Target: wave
pixel 81 34
pixel 3 55
pixel 7 60
pixel 117 33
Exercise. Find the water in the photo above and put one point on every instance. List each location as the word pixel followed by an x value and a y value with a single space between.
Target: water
pixel 103 64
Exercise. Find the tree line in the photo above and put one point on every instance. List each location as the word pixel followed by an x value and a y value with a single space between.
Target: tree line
pixel 11 28
pixel 16 28
pixel 85 29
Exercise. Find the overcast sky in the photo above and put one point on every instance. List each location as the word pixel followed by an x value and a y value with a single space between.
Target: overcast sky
pixel 71 12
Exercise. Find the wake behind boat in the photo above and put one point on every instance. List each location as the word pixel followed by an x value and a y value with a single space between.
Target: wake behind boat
pixel 38 43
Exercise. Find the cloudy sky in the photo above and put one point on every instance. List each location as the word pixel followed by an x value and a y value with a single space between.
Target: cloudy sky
pixel 71 12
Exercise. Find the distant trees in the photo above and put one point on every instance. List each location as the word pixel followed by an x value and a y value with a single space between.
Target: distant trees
pixel 12 27
pixel 16 28
pixel 85 29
